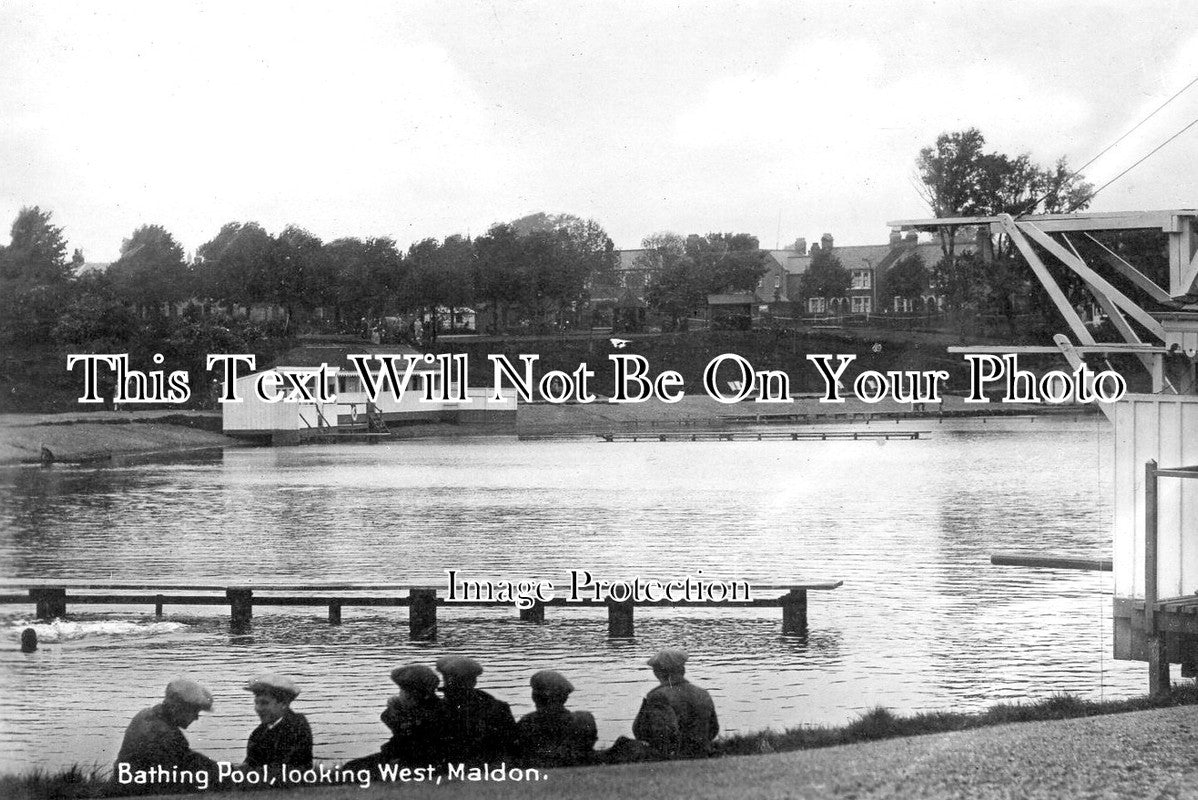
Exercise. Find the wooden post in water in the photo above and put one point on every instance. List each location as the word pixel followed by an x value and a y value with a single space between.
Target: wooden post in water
pixel 619 619
pixel 51 601
pixel 422 615
pixel 1158 656
pixel 241 607
pixel 158 606
pixel 534 614
pixel 334 613
pixel 794 613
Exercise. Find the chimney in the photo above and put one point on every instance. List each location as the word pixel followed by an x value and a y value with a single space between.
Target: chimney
pixel 896 237
pixel 825 242
pixel 801 246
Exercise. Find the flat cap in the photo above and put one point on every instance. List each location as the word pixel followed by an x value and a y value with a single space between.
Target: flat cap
pixel 550 682
pixel 188 692
pixel 669 660
pixel 459 667
pixel 273 683
pixel 415 676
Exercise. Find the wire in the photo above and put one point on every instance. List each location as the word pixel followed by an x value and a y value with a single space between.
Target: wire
pixel 1036 200
pixel 1142 160
pixel 1133 130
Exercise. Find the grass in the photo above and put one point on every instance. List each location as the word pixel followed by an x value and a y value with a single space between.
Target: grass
pixel 880 723
pixel 40 784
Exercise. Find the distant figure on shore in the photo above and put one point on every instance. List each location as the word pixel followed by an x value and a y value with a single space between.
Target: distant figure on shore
pixel 554 736
pixel 677 719
pixel 28 640
pixel 284 736
pixel 416 717
pixel 155 756
pixel 479 729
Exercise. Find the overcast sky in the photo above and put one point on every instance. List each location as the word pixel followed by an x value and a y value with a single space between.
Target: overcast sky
pixel 409 120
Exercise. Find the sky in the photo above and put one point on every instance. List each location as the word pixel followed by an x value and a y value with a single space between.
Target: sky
pixel 426 119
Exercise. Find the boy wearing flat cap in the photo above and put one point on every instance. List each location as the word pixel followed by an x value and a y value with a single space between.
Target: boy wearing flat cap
pixel 479 729
pixel 284 736
pixel 554 736
pixel 154 739
pixel 677 719
pixel 416 717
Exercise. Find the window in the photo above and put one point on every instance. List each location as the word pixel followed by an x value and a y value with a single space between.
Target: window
pixel 862 279
pixel 860 305
pixel 815 305
pixel 903 305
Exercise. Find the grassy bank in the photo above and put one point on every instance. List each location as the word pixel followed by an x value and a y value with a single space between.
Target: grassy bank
pixel 879 724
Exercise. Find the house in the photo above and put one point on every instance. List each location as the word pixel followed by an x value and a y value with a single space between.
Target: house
pixel 865 263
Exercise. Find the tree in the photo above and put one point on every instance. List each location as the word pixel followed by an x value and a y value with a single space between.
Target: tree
pixel 426 283
pixel 567 255
pixel 673 286
pixel 825 277
pixel 496 270
pixel 456 259
pixel 676 290
pixel 34 272
pixel 958 178
pixel 907 278
pixel 291 266
pixel 151 270
pixel 233 265
pixel 36 256
pixel 726 262
pixel 367 273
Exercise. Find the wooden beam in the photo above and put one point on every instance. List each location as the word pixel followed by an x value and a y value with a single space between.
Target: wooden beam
pixel 1090 276
pixel 1051 562
pixel 1153 365
pixel 1046 280
pixel 1183 258
pixel 1132 274
pixel 1076 362
pixel 1164 220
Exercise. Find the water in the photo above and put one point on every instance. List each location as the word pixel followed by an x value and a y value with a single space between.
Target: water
pixel 922 622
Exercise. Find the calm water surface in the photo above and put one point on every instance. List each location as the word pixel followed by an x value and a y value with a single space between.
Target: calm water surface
pixel 923 621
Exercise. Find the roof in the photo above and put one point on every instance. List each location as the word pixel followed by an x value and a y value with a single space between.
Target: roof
pixel 739 299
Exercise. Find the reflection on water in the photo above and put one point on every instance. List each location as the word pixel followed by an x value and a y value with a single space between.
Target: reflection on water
pixel 922 622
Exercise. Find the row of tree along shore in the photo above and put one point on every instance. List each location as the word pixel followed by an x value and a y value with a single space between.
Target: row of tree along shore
pixel 540 274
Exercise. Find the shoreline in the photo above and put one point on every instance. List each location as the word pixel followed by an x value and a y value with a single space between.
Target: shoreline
pixel 98 437
pixel 1059 747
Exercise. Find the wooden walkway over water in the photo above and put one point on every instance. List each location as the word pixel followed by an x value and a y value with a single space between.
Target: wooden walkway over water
pixel 758 436
pixel 52 597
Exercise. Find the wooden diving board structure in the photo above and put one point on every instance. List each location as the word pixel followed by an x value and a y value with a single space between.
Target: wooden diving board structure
pixel 50 598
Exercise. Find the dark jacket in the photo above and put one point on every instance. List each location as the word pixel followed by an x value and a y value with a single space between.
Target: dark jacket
pixel 556 737
pixel 478 728
pixel 677 720
pixel 418 732
pixel 152 740
pixel 288 742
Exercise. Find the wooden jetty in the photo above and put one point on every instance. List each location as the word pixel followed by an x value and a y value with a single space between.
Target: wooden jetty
pixel 51 598
pixel 759 436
